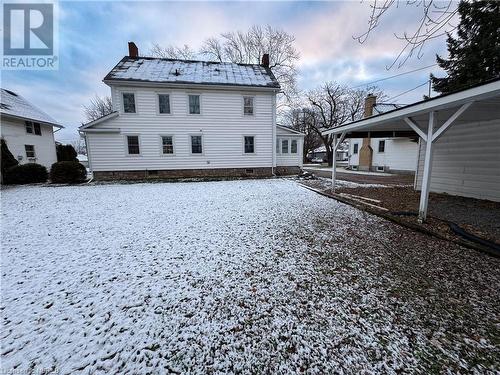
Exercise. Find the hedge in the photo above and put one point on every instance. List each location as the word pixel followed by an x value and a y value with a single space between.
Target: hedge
pixel 68 172
pixel 26 174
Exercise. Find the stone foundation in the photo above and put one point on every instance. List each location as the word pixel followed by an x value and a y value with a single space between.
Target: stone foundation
pixel 285 171
pixel 183 173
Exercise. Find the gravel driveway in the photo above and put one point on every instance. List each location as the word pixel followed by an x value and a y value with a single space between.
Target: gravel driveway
pixel 243 277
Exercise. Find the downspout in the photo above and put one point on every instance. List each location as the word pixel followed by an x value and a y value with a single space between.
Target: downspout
pixel 273 146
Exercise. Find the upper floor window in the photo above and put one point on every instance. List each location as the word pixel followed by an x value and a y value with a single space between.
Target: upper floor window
pixel 128 102
pixel 30 151
pixel 284 146
pixel 33 128
pixel 196 144
pixel 194 104
pixel 355 148
pixel 249 144
pixel 381 146
pixel 164 103
pixel 293 146
pixel 133 145
pixel 248 105
pixel 167 144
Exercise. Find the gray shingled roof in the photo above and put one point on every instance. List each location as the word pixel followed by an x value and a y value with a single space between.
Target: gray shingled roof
pixel 148 69
pixel 13 104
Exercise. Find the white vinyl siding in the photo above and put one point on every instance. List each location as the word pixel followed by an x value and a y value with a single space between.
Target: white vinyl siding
pixel 466 161
pixel 16 137
pixel 221 124
pixel 289 159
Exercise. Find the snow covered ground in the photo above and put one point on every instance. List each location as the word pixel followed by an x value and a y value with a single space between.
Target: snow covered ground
pixel 233 277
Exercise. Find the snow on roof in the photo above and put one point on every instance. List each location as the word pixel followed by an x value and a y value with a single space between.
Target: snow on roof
pixel 13 104
pixel 149 69
pixel 82 157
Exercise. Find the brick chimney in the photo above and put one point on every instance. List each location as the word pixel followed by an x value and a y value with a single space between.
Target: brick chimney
pixel 133 51
pixel 265 60
pixel 370 102
pixel 366 151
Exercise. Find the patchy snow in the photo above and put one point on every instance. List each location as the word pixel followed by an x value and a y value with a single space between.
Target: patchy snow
pixel 186 71
pixel 233 277
pixel 14 104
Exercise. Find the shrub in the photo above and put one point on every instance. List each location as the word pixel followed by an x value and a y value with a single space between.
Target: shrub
pixel 8 160
pixel 67 172
pixel 66 153
pixel 26 174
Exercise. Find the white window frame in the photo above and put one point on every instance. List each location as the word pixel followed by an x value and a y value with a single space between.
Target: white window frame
pixel 201 105
pixel 26 152
pixel 243 105
pixel 354 151
pixel 254 144
pixel 287 148
pixel 278 146
pixel 297 143
pixel 123 102
pixel 191 144
pixel 32 127
pixel 378 146
pixel 158 93
pixel 161 145
pixel 125 137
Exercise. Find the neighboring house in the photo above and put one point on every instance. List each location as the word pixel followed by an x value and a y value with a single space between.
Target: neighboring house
pixel 181 118
pixel 82 159
pixel 384 154
pixel 319 155
pixel 27 130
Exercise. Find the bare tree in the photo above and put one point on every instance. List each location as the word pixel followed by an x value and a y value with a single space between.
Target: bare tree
pixel 97 108
pixel 79 146
pixel 172 52
pixel 437 17
pixel 333 105
pixel 302 119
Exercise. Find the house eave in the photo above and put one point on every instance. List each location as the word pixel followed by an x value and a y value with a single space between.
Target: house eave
pixel 2 114
pixel 99 120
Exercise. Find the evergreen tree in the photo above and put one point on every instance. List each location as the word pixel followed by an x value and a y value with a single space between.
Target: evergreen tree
pixel 66 153
pixel 474 54
pixel 8 160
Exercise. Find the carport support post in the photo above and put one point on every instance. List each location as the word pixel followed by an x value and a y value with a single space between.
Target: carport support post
pixel 334 162
pixel 426 178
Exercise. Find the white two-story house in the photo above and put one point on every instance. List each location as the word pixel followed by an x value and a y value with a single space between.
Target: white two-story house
pixel 27 130
pixel 179 118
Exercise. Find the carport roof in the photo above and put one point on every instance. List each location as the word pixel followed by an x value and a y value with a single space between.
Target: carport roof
pixel 486 106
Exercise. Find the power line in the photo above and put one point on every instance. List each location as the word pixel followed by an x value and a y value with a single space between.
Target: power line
pixel 407 91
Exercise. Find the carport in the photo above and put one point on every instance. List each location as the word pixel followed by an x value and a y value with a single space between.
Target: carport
pixel 474 112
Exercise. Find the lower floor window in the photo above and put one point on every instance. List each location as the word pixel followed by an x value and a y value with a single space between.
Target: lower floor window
pixel 30 151
pixel 293 146
pixel 133 145
pixel 249 145
pixel 167 143
pixel 284 146
pixel 196 144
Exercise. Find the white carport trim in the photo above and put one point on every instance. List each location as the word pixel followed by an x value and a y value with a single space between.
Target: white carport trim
pixel 336 145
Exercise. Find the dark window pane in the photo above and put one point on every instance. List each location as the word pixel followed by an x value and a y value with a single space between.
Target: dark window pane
pixel 36 126
pixel 249 145
pixel 29 127
pixel 133 144
pixel 128 103
pixel 277 146
pixel 248 105
pixel 30 151
pixel 284 146
pixel 194 104
pixel 355 149
pixel 196 145
pixel 293 146
pixel 164 102
pixel 167 145
pixel 381 146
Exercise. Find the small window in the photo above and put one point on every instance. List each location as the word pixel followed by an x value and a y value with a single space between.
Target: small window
pixel 293 146
pixel 164 103
pixel 278 143
pixel 128 102
pixel 133 145
pixel 284 146
pixel 381 146
pixel 30 151
pixel 355 148
pixel 38 130
pixel 194 104
pixel 249 145
pixel 29 127
pixel 196 144
pixel 248 105
pixel 167 144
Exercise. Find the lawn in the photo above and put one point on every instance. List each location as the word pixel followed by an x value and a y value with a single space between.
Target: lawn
pixel 257 276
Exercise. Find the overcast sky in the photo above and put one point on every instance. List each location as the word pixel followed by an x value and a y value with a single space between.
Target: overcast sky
pixel 94 35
